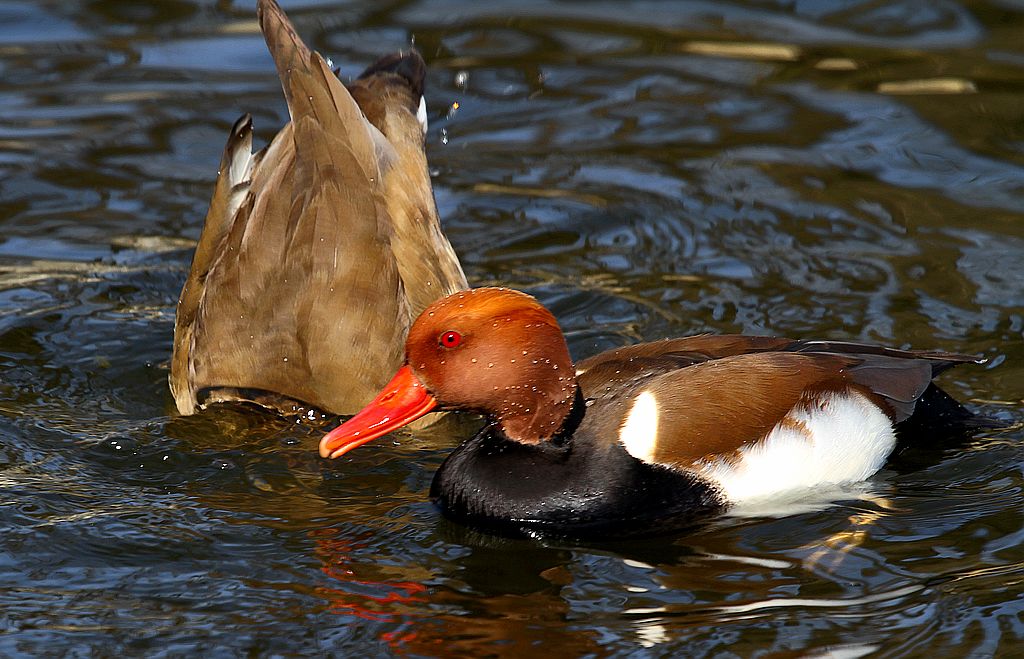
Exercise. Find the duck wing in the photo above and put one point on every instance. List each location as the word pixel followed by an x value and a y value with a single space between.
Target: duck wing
pixel 615 368
pixel 686 401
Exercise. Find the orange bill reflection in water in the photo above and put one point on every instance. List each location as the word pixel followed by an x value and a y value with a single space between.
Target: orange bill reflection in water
pixel 428 614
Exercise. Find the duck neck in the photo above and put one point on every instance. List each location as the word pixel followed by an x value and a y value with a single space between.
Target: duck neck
pixel 543 415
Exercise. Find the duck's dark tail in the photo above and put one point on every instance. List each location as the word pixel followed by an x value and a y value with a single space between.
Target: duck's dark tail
pixel 939 416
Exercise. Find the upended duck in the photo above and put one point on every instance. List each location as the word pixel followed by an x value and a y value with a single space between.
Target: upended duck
pixel 318 251
pixel 651 437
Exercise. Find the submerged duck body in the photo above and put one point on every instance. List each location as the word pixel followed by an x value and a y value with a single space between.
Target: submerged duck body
pixel 319 251
pixel 645 438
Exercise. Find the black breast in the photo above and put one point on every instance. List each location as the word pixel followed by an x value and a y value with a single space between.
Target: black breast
pixel 578 489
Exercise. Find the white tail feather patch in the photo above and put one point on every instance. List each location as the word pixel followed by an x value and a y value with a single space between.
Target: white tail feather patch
pixel 639 432
pixel 421 114
pixel 240 172
pixel 241 162
pixel 839 438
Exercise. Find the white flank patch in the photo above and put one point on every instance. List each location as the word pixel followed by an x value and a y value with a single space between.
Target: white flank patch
pixel 639 432
pixel 840 438
pixel 421 114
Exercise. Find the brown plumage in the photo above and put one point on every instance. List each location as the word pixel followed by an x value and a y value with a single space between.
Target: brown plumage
pixel 318 251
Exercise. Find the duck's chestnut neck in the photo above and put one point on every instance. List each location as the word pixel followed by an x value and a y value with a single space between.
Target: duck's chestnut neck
pixel 535 411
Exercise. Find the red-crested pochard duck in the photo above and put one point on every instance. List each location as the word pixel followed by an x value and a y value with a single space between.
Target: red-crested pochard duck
pixel 645 438
pixel 318 251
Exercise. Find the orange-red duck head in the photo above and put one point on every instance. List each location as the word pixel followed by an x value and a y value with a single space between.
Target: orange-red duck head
pixel 491 350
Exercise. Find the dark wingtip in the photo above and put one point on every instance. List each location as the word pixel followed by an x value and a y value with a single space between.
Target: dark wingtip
pixel 408 64
pixel 242 125
pixel 942 362
pixel 239 137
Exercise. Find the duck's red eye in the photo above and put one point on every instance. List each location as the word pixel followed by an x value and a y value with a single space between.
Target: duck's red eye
pixel 450 339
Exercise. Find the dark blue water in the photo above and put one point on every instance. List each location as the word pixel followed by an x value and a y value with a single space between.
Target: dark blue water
pixel 846 170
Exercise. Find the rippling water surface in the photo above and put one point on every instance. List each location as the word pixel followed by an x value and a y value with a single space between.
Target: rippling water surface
pixel 846 170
